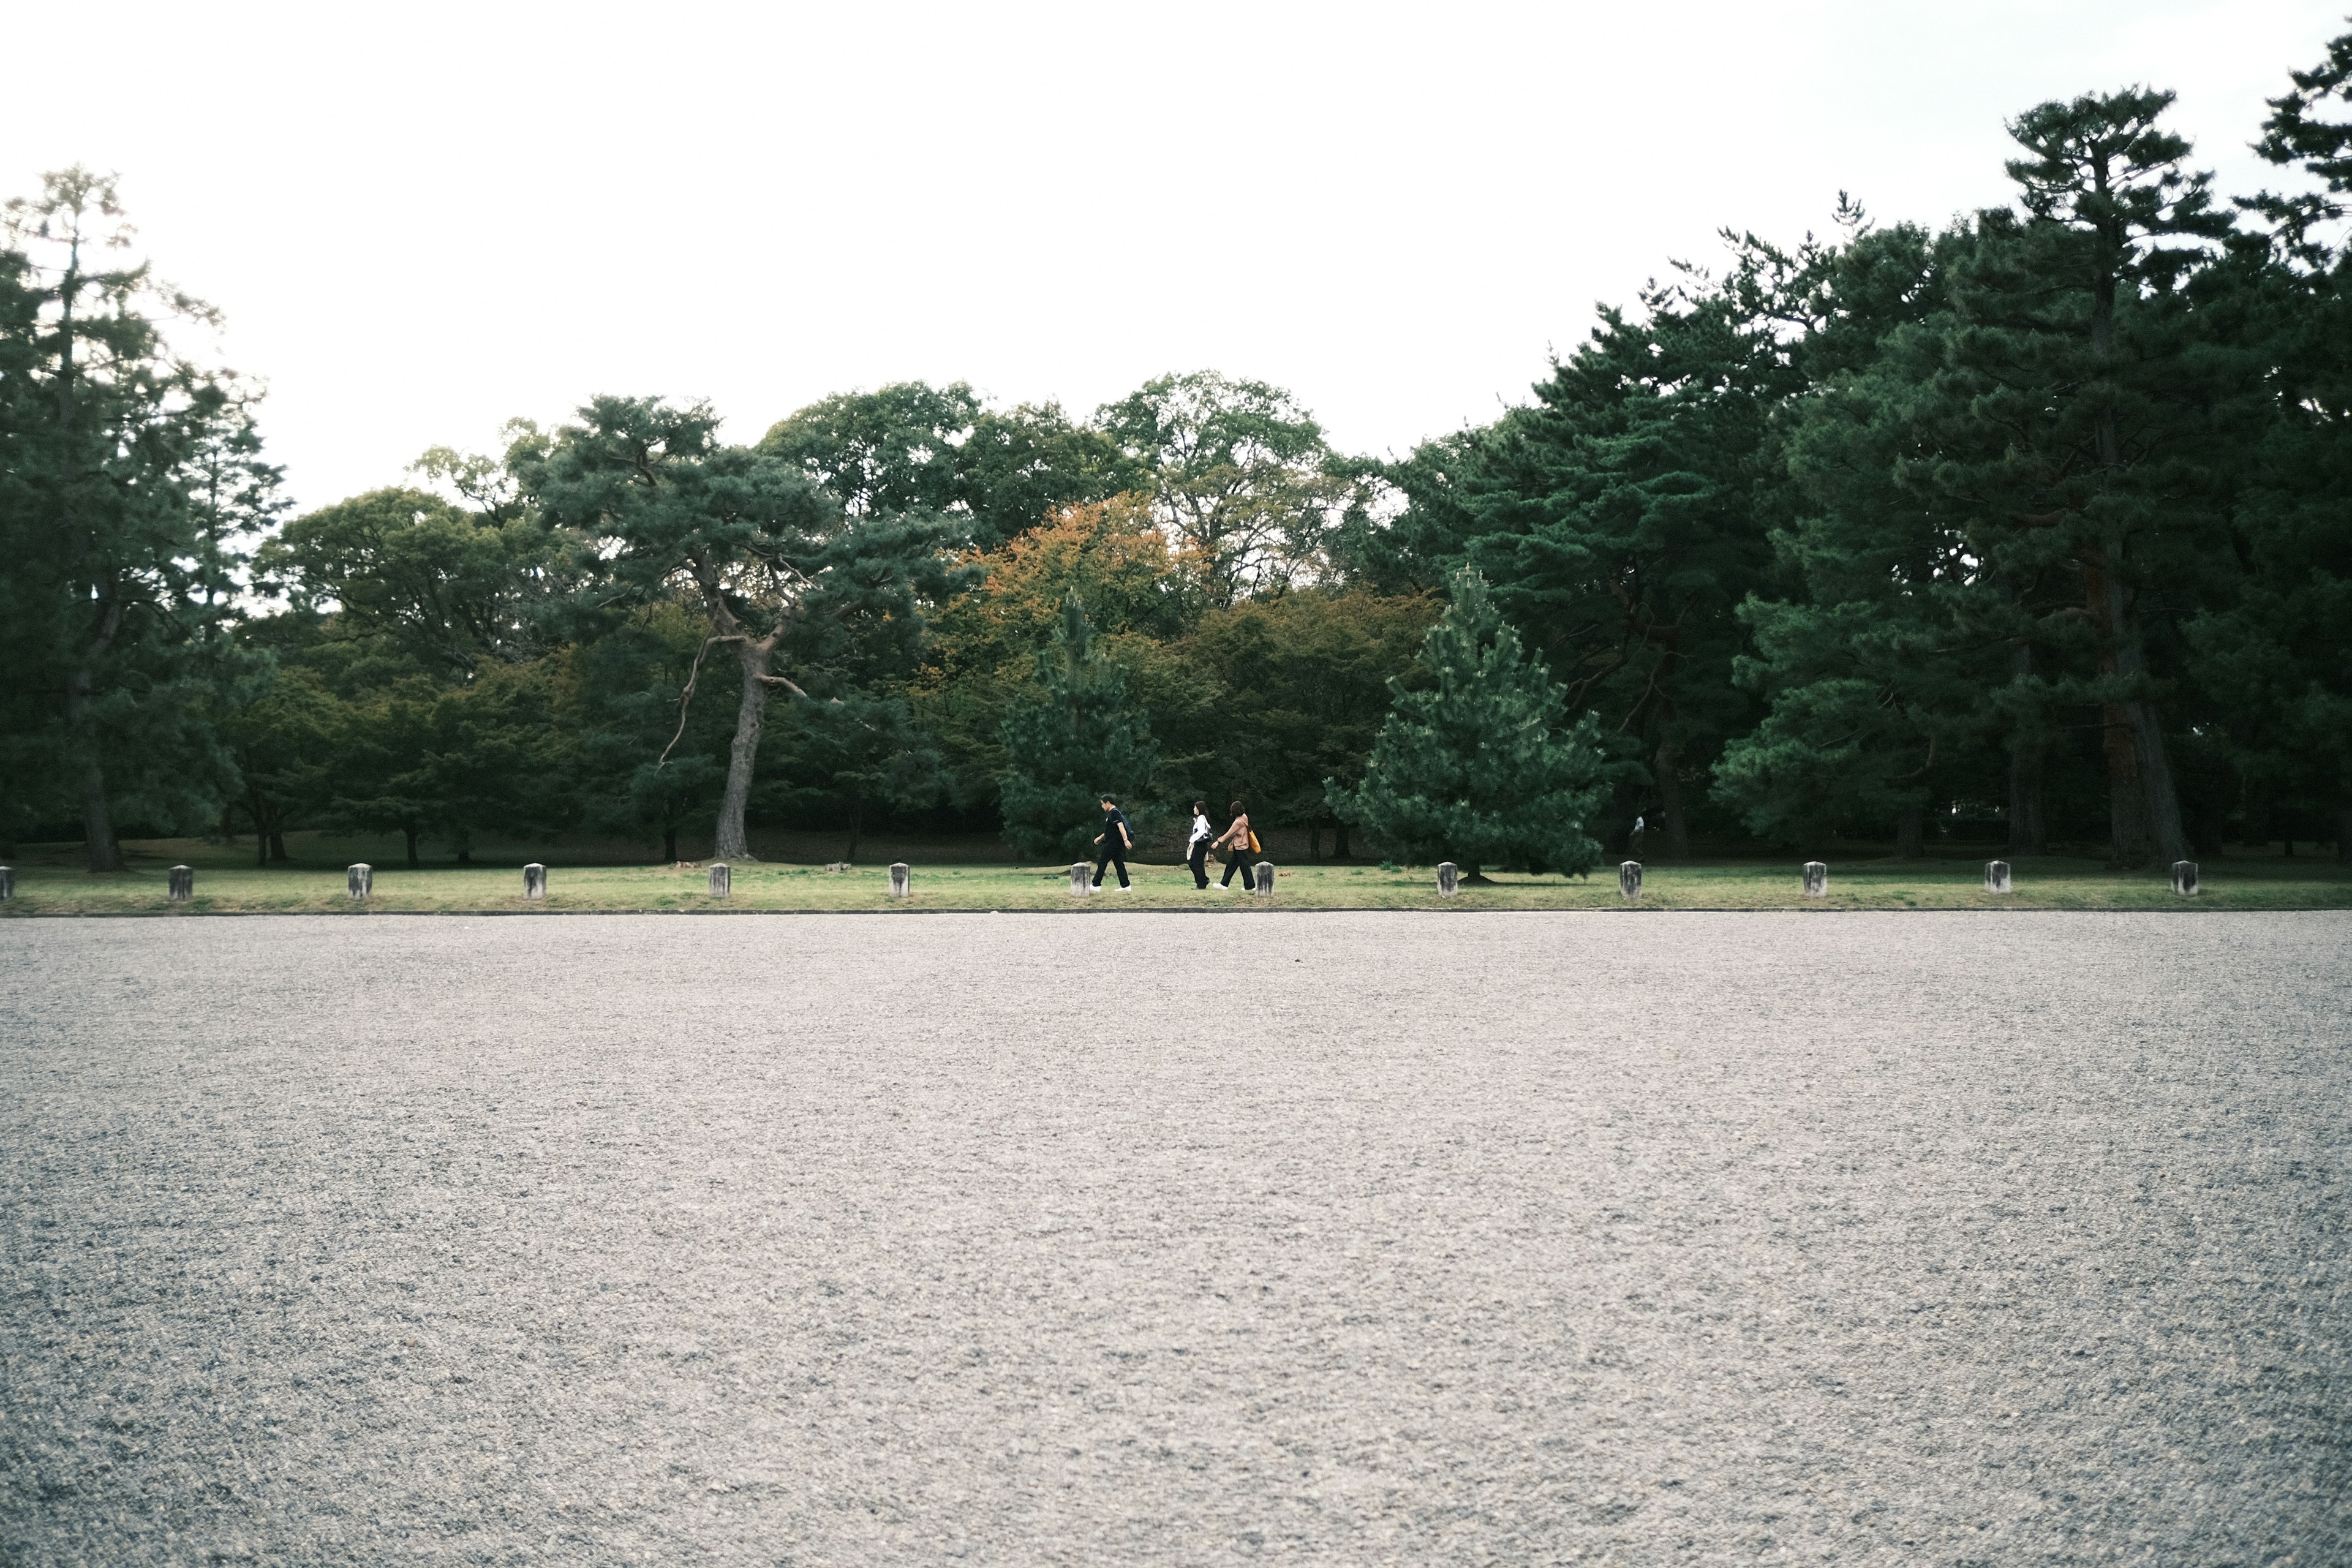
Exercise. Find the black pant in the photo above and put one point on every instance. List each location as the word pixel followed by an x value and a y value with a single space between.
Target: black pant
pixel 1239 863
pixel 1111 857
pixel 1200 863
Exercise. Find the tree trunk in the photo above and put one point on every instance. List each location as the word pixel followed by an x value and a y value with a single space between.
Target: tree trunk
pixel 751 717
pixel 1667 765
pixel 669 845
pixel 2133 831
pixel 1910 832
pixel 2127 833
pixel 2161 806
pixel 260 838
pixel 409 830
pixel 277 841
pixel 1314 838
pixel 465 847
pixel 81 727
pixel 2029 830
pixel 1340 850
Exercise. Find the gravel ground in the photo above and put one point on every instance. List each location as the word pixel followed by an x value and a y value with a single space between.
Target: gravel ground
pixel 1339 1238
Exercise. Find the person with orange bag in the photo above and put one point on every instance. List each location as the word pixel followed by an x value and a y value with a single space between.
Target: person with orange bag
pixel 1240 844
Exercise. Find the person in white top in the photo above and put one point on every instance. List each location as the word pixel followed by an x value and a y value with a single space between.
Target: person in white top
pixel 1197 851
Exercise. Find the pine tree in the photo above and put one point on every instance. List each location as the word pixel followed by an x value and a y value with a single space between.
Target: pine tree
pixel 1481 766
pixel 1879 686
pixel 1072 742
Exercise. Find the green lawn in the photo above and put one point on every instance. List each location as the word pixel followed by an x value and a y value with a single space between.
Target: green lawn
pixel 227 882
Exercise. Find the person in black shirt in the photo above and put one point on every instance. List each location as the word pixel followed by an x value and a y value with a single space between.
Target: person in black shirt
pixel 1116 841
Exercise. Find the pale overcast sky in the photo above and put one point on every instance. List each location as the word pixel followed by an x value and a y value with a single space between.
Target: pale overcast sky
pixel 423 219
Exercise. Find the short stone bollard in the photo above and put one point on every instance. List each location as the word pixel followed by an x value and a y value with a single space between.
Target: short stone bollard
pixel 1264 870
pixel 1629 878
pixel 1449 879
pixel 534 880
pixel 902 879
pixel 1081 881
pixel 1817 880
pixel 358 878
pixel 1996 876
pixel 7 881
pixel 184 884
pixel 722 880
pixel 2184 877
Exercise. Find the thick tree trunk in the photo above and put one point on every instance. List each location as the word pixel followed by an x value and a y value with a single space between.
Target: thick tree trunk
pixel 751 718
pixel 2128 832
pixel 1340 850
pixel 1667 765
pixel 81 727
pixel 408 830
pixel 2029 831
pixel 277 843
pixel 2143 808
pixel 97 814
pixel 2162 801
pixel 669 845
pixel 1910 832
pixel 465 847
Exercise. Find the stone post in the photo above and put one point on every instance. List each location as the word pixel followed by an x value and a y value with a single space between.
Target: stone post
pixel 1264 872
pixel 1996 876
pixel 359 879
pixel 1081 881
pixel 1629 878
pixel 7 881
pixel 2184 877
pixel 722 880
pixel 1817 880
pixel 184 884
pixel 534 880
pixel 1449 879
pixel 902 881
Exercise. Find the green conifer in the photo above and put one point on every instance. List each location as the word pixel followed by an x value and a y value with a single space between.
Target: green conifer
pixel 1072 742
pixel 1480 766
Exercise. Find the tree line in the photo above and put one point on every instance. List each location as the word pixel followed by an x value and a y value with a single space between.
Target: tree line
pixel 2030 528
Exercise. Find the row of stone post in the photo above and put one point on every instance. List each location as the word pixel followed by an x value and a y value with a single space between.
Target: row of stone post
pixel 1816 879
pixel 722 880
pixel 359 879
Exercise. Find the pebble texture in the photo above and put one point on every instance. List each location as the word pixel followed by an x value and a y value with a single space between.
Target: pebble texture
pixel 1337 1239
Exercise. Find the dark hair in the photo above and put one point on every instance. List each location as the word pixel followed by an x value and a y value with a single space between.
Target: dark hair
pixel 1235 808
pixel 1107 798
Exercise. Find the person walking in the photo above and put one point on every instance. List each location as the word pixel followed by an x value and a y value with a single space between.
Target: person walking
pixel 1196 851
pixel 1241 842
pixel 1116 840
